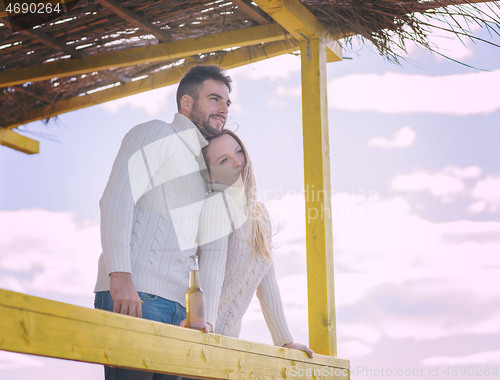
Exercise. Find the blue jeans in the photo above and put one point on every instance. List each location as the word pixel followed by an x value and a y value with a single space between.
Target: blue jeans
pixel 154 308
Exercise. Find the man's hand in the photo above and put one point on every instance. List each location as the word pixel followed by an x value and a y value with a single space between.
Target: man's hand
pixel 125 297
pixel 208 326
pixel 301 347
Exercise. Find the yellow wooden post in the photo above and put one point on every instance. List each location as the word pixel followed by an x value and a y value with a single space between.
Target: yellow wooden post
pixel 321 299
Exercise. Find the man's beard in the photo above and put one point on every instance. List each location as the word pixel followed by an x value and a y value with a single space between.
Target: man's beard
pixel 202 121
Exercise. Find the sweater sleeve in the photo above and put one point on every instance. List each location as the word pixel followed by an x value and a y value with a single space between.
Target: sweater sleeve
pixel 117 204
pixel 272 307
pixel 269 297
pixel 212 266
pixel 213 231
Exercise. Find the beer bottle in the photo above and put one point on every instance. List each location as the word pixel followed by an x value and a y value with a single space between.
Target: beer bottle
pixel 195 302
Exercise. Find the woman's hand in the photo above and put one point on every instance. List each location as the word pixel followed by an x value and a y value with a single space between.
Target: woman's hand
pixel 301 347
pixel 208 326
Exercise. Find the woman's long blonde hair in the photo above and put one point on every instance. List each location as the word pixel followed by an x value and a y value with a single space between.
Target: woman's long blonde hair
pixel 261 231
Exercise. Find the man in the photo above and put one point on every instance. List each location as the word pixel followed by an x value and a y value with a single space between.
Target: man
pixel 151 206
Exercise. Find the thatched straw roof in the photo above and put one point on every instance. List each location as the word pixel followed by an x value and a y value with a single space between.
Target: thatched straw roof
pixel 86 28
pixel 389 25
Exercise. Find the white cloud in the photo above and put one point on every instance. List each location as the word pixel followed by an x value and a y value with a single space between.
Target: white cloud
pixel 272 102
pixel 11 360
pixel 477 207
pixel 397 275
pixel 450 182
pixel 487 195
pixel 395 93
pixel 364 333
pixel 354 349
pixel 402 138
pixel 272 69
pixel 484 357
pixel 461 48
pixel 439 185
pixel 436 328
pixel 465 173
pixel 236 106
pixel 43 252
pixel 27 367
pixel 294 92
pixel 446 43
pixel 445 184
pixel 151 102
pixel 450 46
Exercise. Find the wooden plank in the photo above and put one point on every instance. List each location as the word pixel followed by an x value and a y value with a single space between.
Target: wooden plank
pixel 147 54
pixel 320 281
pixel 18 142
pixel 168 77
pixel 42 327
pixel 302 24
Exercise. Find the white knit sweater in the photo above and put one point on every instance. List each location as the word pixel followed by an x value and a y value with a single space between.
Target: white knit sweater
pixel 244 275
pixel 138 234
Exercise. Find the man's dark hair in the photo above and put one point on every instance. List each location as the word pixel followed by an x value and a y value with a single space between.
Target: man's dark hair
pixel 192 80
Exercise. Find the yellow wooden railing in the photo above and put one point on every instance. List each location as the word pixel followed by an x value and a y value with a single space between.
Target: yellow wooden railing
pixel 43 327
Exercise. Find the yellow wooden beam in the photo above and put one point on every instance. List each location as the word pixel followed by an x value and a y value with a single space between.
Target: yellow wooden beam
pixel 319 239
pixel 302 24
pixel 146 54
pixel 227 60
pixel 18 142
pixel 38 326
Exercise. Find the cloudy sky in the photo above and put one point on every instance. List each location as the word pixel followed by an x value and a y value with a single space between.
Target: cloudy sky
pixel 416 206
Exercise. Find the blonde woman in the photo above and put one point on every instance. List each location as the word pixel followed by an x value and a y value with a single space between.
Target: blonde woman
pixel 233 221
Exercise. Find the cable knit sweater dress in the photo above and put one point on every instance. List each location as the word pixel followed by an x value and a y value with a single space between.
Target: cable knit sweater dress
pixel 243 276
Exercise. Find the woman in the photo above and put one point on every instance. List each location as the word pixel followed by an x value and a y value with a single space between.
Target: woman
pixel 233 218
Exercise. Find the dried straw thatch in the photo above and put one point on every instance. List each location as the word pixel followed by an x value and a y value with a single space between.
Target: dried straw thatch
pixel 390 24
pixel 90 27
